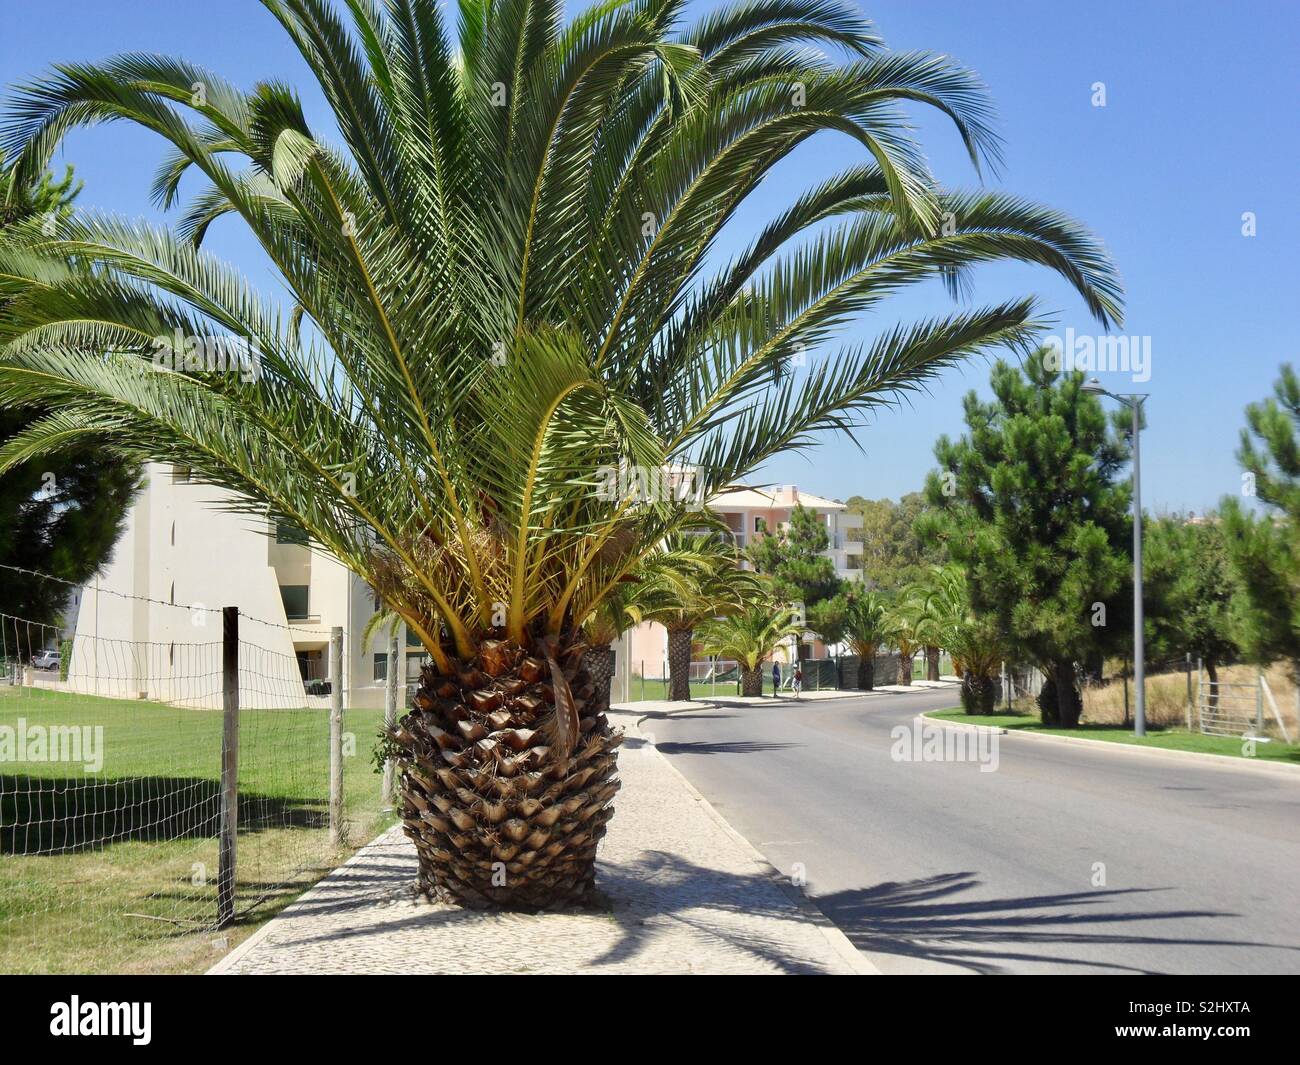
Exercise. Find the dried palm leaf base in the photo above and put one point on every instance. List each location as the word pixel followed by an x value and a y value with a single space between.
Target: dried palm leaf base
pixel 507 771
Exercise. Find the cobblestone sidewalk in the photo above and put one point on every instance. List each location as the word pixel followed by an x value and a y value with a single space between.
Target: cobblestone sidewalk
pixel 688 895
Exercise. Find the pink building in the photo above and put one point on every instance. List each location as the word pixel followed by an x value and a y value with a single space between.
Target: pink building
pixel 751 512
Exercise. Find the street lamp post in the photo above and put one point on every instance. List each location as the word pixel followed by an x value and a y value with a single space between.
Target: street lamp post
pixel 1134 402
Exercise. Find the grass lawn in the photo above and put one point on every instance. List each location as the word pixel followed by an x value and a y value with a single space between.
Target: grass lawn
pixel 644 690
pixel 1172 739
pixel 115 871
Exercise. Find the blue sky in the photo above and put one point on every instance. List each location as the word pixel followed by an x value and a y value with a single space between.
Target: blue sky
pixel 1200 126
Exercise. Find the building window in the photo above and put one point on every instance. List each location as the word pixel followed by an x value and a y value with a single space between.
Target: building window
pixel 296 601
pixel 381 668
pixel 312 665
pixel 180 475
pixel 288 533
pixel 759 525
pixel 415 663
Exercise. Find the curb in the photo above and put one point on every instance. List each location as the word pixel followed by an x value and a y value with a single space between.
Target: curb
pixel 733 702
pixel 837 941
pixel 1222 761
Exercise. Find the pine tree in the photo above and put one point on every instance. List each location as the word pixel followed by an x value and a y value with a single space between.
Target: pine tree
pixel 1189 585
pixel 793 561
pixel 1030 504
pixel 893 556
pixel 1265 549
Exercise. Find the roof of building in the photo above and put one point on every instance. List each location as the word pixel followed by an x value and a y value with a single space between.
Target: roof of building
pixel 770 497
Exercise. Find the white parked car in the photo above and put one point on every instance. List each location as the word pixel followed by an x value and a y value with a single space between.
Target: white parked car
pixel 47 659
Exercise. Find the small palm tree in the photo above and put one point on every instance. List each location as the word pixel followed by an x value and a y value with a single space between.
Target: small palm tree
pixel 749 637
pixel 507 318
pixel 940 599
pixel 974 642
pixel 908 626
pixel 617 613
pixel 867 629
pixel 701 580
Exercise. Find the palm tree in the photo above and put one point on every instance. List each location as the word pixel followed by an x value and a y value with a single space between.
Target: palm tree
pixel 867 629
pixel 907 625
pixel 940 598
pixel 750 637
pixel 701 580
pixel 973 641
pixel 616 613
pixel 507 319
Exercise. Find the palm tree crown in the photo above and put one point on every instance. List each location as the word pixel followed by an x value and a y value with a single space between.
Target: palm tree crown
pixel 750 635
pixel 501 281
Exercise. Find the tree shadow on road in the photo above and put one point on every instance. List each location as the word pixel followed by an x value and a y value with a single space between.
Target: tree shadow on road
pixel 723 747
pixel 937 919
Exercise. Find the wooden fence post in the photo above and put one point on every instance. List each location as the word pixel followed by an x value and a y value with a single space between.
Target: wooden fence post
pixel 336 736
pixel 229 766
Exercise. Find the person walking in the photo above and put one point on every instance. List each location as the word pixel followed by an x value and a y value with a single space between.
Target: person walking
pixel 776 679
pixel 798 681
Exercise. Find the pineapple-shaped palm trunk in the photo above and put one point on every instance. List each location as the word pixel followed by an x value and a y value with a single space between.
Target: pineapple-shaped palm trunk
pixel 599 661
pixel 904 669
pixel 866 672
pixel 931 662
pixel 507 771
pixel 679 664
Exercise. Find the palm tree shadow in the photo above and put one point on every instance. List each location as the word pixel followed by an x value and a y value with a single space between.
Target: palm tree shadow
pixel 723 747
pixel 935 919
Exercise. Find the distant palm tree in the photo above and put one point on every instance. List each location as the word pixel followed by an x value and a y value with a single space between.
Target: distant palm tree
pixel 509 316
pixel 750 637
pixel 974 642
pixel 616 614
pixel 908 627
pixel 867 630
pixel 702 580
pixel 940 599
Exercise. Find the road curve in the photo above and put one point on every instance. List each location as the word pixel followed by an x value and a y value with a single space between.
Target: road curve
pixel 1066 858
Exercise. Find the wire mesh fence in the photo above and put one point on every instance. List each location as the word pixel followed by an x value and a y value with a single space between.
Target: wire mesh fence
pixel 709 678
pixel 113 802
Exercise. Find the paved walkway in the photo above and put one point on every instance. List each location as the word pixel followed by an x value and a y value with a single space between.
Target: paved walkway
pixel 687 895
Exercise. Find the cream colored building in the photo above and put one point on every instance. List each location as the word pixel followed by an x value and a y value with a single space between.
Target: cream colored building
pixel 179 547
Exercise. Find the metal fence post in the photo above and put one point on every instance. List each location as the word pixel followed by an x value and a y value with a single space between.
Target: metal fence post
pixel 390 716
pixel 1200 693
pixel 336 736
pixel 229 765
pixel 1126 714
pixel 1189 691
pixel 1259 703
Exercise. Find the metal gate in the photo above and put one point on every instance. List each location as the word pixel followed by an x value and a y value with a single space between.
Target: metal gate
pixel 1230 709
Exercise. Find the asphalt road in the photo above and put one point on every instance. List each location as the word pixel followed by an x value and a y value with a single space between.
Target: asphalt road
pixel 1065 858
